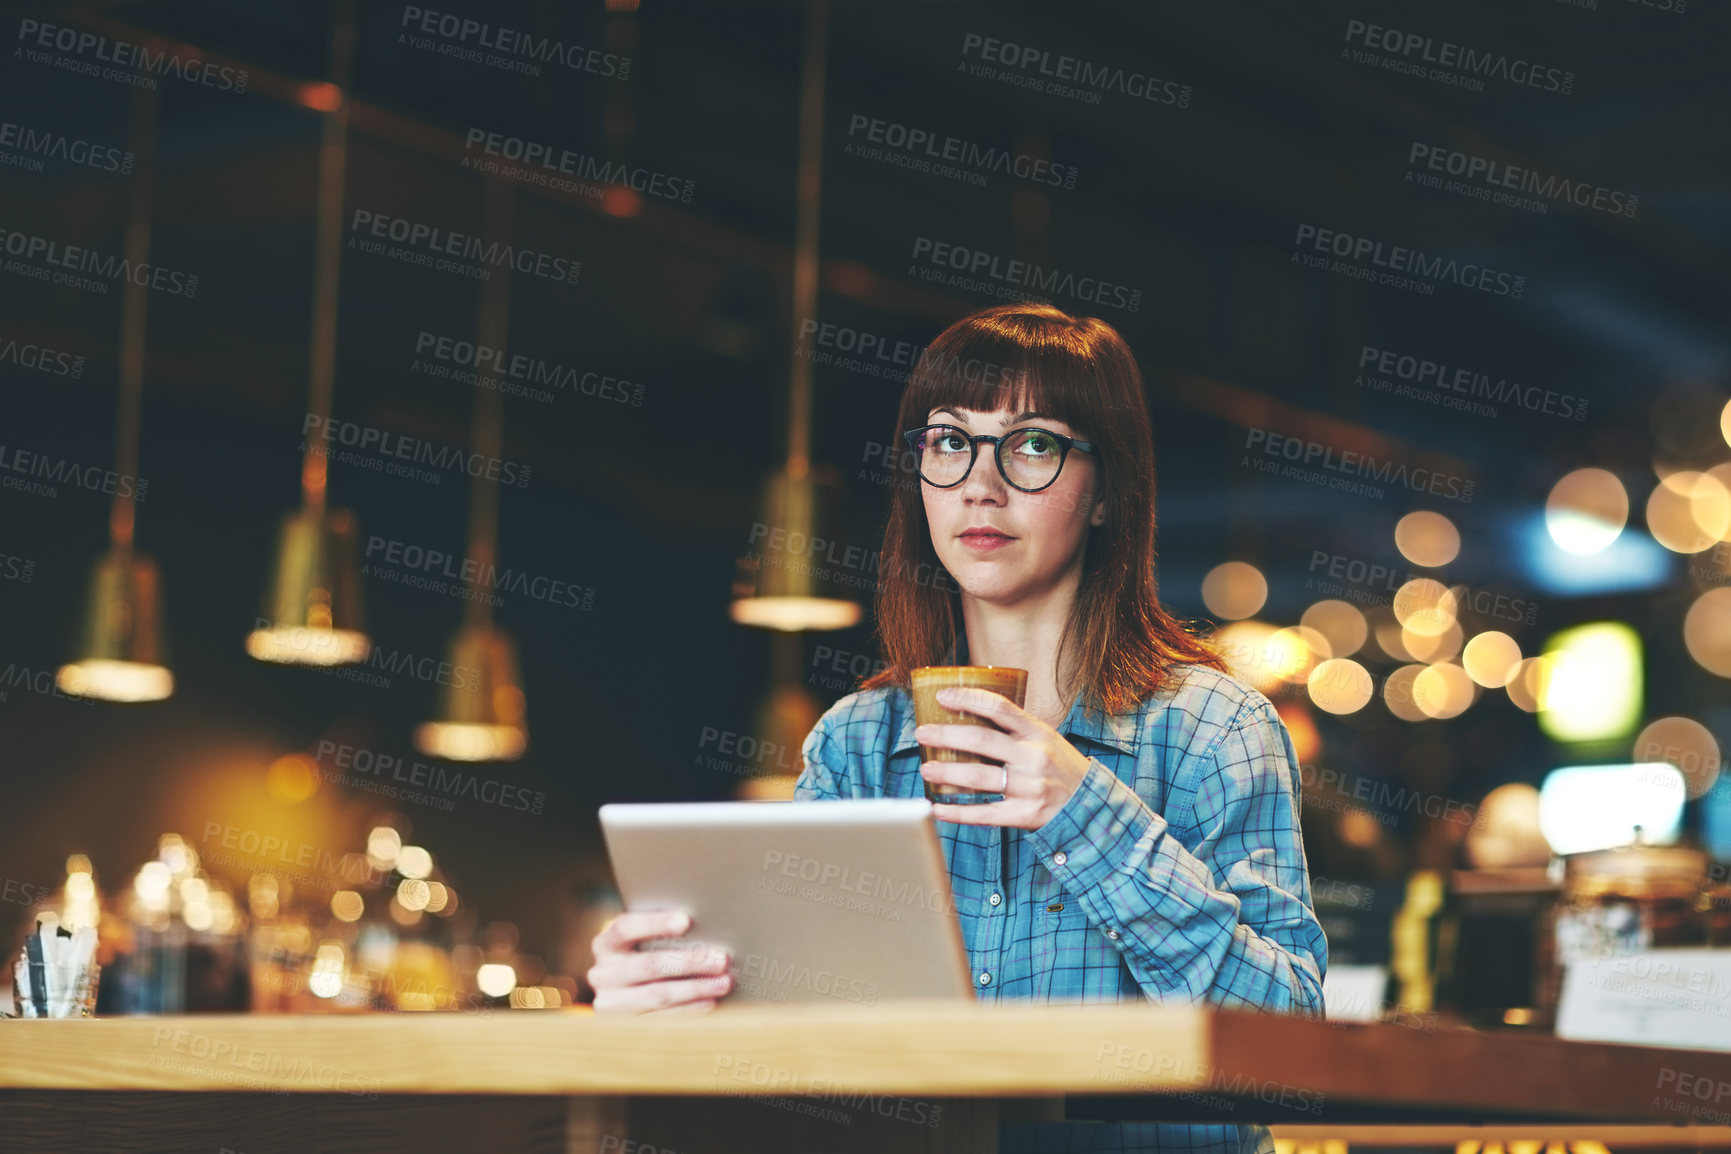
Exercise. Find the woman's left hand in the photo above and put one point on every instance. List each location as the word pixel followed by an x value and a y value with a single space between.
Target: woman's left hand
pixel 1041 770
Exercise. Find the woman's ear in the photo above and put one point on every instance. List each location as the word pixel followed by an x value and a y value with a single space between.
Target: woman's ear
pixel 1098 517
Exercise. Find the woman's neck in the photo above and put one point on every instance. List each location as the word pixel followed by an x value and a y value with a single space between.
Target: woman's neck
pixel 1026 635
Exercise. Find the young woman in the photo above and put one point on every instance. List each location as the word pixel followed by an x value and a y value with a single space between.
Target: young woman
pixel 1147 846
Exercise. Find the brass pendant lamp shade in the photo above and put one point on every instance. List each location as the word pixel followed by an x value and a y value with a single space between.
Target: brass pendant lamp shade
pixel 312 606
pixel 788 579
pixel 312 609
pixel 481 715
pixel 123 653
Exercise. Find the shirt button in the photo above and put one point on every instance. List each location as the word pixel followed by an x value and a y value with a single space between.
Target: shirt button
pixel 1060 858
pixel 995 898
pixel 1113 934
pixel 985 978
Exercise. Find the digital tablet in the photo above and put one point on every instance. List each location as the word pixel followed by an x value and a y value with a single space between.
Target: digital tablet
pixel 843 901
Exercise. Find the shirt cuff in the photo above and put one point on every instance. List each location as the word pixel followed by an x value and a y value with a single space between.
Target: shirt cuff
pixel 1093 834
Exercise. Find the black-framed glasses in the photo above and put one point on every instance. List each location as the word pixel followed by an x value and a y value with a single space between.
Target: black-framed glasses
pixel 1028 459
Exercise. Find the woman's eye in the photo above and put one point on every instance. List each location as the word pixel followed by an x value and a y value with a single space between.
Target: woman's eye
pixel 1038 445
pixel 947 441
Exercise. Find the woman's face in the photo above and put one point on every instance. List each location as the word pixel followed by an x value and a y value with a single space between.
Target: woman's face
pixel 1039 536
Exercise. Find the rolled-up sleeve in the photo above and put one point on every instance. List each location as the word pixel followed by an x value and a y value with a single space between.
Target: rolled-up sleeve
pixel 1227 920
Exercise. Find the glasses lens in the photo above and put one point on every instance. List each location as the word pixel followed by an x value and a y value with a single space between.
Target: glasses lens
pixel 1031 457
pixel 944 455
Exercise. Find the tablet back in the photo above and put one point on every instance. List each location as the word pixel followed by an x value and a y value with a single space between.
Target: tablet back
pixel 818 901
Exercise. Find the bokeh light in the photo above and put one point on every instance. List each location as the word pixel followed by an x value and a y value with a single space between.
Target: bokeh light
pixel 1431 648
pixel 1425 605
pixel 495 979
pixel 1688 511
pixel 1234 590
pixel 1490 658
pixel 1443 691
pixel 1594 692
pixel 1528 682
pixel 1707 631
pixel 1341 625
pixel 1263 655
pixel 1340 685
pixel 1397 693
pixel 1427 539
pixel 1586 510
pixel 1686 744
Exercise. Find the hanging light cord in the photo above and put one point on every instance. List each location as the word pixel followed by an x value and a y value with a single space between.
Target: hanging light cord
pixel 327 253
pixel 133 301
pixel 486 437
pixel 807 189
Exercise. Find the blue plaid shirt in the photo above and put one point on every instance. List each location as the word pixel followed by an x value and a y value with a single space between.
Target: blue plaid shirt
pixel 1175 873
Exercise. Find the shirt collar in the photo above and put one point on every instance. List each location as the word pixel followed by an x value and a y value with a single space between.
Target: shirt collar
pixel 1117 730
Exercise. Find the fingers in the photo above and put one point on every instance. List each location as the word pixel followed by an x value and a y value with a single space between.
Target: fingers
pixel 992 813
pixel 624 932
pixel 691 995
pixel 980 739
pixel 967 774
pixel 984 702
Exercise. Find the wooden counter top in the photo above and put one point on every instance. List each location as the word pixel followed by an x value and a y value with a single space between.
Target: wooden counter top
pixel 909 1048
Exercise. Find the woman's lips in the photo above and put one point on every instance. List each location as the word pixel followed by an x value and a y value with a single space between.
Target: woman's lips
pixel 985 542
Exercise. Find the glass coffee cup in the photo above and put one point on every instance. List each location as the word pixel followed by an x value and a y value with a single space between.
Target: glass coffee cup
pixel 927 680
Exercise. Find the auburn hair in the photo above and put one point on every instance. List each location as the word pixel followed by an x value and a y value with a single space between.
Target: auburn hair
pixel 1034 357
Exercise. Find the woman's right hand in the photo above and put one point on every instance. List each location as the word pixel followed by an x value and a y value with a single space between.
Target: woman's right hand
pixel 627 980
